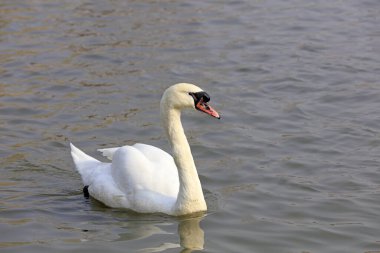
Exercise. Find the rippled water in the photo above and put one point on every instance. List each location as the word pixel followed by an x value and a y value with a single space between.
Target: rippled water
pixel 293 166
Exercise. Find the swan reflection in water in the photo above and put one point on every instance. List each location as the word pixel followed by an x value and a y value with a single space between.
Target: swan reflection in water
pixel 191 236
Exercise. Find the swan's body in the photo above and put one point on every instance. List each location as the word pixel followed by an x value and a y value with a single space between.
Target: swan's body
pixel 144 178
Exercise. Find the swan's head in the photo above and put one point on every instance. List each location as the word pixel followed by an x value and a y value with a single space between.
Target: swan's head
pixel 185 95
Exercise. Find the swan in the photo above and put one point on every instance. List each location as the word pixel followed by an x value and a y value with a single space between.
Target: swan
pixel 144 178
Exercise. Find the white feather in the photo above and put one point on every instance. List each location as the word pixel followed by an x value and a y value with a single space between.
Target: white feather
pixel 145 178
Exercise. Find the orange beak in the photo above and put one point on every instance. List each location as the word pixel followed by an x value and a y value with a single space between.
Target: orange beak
pixel 204 107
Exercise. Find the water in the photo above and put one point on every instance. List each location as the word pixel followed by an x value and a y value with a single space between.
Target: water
pixel 293 166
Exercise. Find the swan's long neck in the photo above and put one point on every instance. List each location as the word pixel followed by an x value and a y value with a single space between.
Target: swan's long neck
pixel 190 196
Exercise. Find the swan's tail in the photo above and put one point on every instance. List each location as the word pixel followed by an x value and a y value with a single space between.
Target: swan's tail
pixel 84 163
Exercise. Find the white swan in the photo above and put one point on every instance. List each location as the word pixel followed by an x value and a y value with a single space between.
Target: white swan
pixel 144 178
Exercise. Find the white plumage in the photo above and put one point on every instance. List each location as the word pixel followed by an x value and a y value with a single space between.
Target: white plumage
pixel 145 178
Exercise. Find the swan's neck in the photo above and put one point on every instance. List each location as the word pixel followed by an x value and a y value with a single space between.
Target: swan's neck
pixel 190 196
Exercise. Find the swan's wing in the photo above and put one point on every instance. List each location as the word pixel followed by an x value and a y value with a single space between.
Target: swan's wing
pixel 108 152
pixel 147 175
pixel 141 177
pixel 162 168
pixel 154 154
pixel 105 189
pixel 144 166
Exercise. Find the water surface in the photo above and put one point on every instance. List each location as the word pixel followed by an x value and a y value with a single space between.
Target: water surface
pixel 293 166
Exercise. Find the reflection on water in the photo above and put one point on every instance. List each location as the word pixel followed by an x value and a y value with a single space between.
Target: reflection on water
pixel 94 227
pixel 191 236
